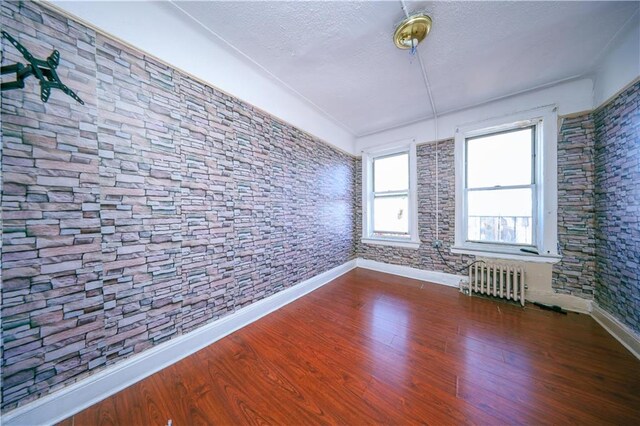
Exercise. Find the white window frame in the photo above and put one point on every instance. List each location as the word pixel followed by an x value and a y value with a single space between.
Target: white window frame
pixel 545 206
pixel 368 156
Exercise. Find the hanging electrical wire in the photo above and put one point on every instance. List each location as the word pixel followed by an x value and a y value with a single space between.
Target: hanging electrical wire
pixel 425 78
pixel 437 244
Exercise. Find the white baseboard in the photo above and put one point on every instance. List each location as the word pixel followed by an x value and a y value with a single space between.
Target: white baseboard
pixel 74 398
pixel 443 278
pixel 565 301
pixel 621 332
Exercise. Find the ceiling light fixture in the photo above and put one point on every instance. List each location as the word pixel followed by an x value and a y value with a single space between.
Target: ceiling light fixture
pixel 412 31
pixel 408 35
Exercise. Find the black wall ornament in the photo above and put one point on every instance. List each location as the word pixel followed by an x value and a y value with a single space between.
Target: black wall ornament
pixel 43 70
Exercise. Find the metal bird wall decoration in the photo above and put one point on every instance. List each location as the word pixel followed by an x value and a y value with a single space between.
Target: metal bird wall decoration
pixel 43 70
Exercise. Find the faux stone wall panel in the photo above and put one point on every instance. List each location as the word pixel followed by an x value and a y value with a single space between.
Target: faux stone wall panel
pixel 251 207
pixel 575 273
pixel 282 212
pixel 425 257
pixel 617 202
pixel 160 205
pixel 140 178
pixel 52 317
pixel 576 218
pixel 298 219
pixel 207 193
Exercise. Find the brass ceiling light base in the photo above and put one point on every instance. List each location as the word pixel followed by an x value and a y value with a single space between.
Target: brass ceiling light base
pixel 412 31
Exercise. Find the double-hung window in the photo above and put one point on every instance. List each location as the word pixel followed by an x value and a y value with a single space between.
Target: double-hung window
pixel 500 187
pixel 506 195
pixel 389 197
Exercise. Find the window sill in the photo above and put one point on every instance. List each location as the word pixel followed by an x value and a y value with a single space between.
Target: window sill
pixel 394 243
pixel 523 257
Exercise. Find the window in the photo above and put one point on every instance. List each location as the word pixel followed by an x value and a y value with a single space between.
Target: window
pixel 506 187
pixel 389 201
pixel 500 187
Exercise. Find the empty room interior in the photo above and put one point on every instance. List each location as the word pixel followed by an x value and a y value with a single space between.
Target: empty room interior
pixel 320 212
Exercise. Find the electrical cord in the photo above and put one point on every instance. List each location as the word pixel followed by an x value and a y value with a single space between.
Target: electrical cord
pixel 446 263
pixel 437 165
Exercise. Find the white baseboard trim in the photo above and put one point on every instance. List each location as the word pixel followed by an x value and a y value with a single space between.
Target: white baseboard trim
pixel 621 332
pixel 74 398
pixel 568 302
pixel 618 330
pixel 443 278
pixel 565 301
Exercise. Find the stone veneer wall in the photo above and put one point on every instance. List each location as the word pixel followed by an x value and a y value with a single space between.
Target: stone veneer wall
pixel 425 257
pixel 575 273
pixel 617 173
pixel 158 206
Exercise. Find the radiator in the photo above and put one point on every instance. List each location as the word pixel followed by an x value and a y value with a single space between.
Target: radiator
pixel 494 279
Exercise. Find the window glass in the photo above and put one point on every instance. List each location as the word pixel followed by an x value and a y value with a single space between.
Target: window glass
pixel 500 215
pixel 501 159
pixel 391 215
pixel 391 173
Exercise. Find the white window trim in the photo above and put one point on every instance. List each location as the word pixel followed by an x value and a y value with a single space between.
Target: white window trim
pixel 546 178
pixel 368 156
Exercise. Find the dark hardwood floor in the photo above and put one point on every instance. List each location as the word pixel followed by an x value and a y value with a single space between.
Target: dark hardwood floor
pixel 376 348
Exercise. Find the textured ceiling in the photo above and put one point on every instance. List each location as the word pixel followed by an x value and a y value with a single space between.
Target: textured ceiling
pixel 340 55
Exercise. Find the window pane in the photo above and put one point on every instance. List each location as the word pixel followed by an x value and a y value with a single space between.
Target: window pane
pixel 500 159
pixel 391 173
pixel 391 215
pixel 500 215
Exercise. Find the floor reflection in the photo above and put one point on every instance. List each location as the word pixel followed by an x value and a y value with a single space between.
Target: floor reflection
pixel 483 369
pixel 389 324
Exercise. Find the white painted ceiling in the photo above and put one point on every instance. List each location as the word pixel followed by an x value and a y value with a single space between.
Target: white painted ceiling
pixel 341 58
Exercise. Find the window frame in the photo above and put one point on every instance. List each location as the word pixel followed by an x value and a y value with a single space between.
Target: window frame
pixel 368 195
pixel 532 185
pixel 544 184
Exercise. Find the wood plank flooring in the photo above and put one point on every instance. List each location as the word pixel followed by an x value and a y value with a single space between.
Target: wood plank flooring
pixel 373 348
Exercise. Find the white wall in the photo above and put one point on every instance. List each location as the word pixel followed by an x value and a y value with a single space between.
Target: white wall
pixel 611 72
pixel 621 63
pixel 165 32
pixel 570 97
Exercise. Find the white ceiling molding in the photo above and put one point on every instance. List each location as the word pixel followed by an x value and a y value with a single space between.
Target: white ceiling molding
pixel 467 107
pixel 332 70
pixel 160 30
pixel 570 97
pixel 259 66
pixel 341 56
